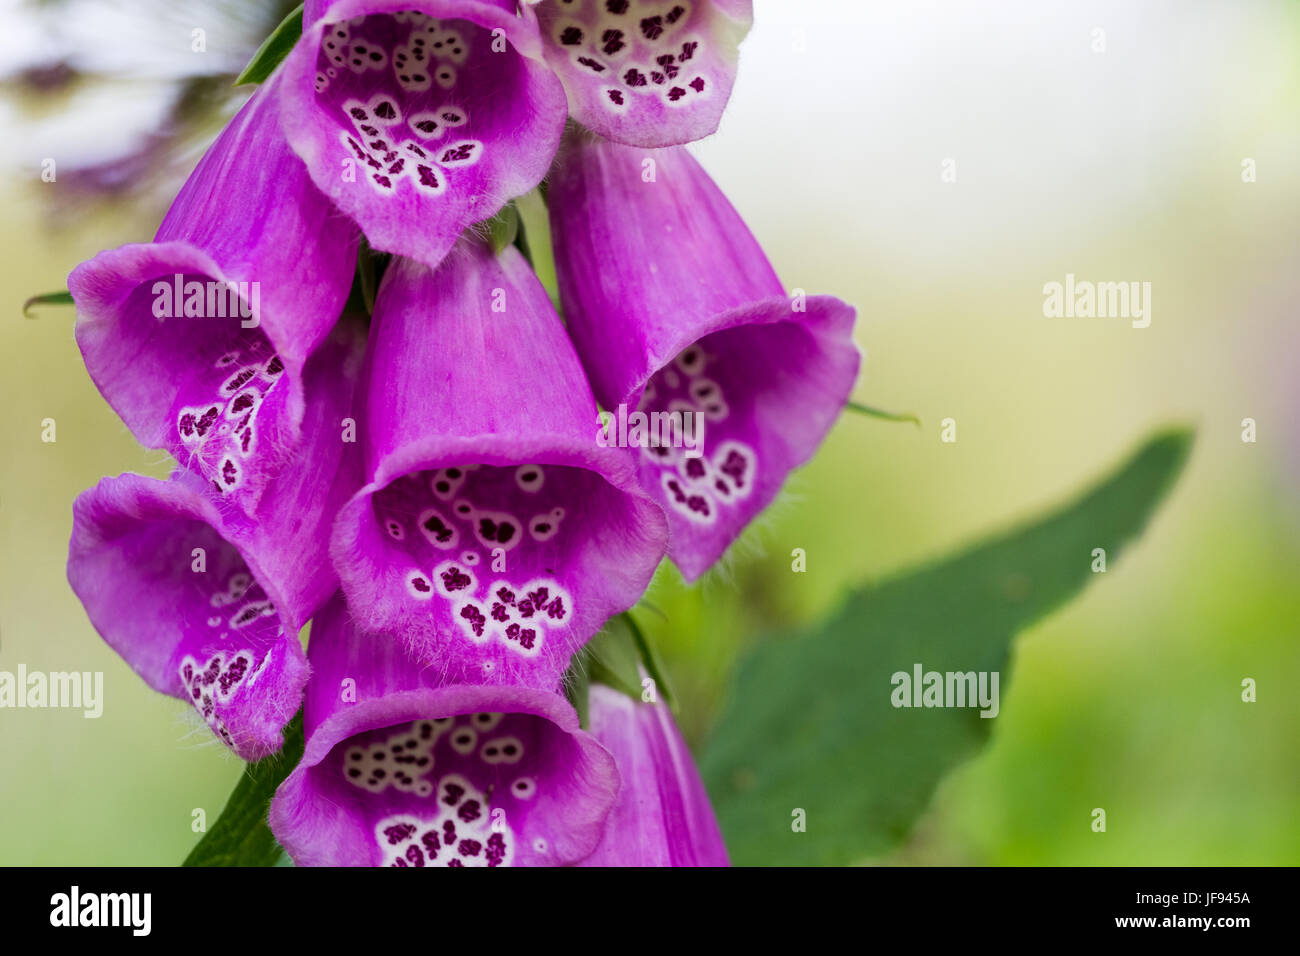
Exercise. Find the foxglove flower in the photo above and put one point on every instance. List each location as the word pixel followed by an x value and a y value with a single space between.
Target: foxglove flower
pixel 663 816
pixel 400 771
pixel 204 602
pixel 420 118
pixel 646 72
pixel 494 536
pixel 198 339
pixel 675 310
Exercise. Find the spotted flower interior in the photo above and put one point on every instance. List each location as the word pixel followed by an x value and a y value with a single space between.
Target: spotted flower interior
pixel 418 126
pixel 393 84
pixel 229 417
pixel 644 73
pixel 489 549
pixel 449 791
pixel 700 487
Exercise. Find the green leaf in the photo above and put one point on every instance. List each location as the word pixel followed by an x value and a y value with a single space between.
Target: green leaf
pixel 241 837
pixel 273 49
pixel 811 725
pixel 49 298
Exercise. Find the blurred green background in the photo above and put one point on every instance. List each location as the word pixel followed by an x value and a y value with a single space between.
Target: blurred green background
pixel 1117 164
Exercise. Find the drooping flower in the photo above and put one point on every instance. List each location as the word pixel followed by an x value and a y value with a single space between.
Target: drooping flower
pixel 420 117
pixel 198 339
pixel 663 816
pixel 205 602
pixel 646 72
pixel 675 311
pixel 494 536
pixel 401 771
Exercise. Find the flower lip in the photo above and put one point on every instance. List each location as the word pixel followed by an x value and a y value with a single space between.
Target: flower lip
pixel 505 772
pixel 494 779
pixel 558 522
pixel 108 290
pixel 646 73
pixel 432 127
pixel 138 546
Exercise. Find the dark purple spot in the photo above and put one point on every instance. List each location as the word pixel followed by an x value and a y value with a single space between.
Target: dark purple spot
pixel 398 832
pixel 439 529
pixel 458 153
pixel 612 41
pixel 496 849
pixel 239 381
pixel 427 176
pixel 735 467
pixel 652 27
pixel 571 36
pixel 475 618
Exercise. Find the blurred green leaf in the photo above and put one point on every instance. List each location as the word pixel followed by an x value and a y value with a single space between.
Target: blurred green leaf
pixel 611 658
pixel 49 298
pixel 503 228
pixel 810 723
pixel 241 837
pixel 872 412
pixel 273 49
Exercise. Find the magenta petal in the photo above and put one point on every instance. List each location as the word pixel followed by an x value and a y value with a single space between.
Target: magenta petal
pixel 417 127
pixel 209 371
pixel 399 771
pixel 674 308
pixel 646 73
pixel 663 816
pixel 495 535
pixel 206 603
